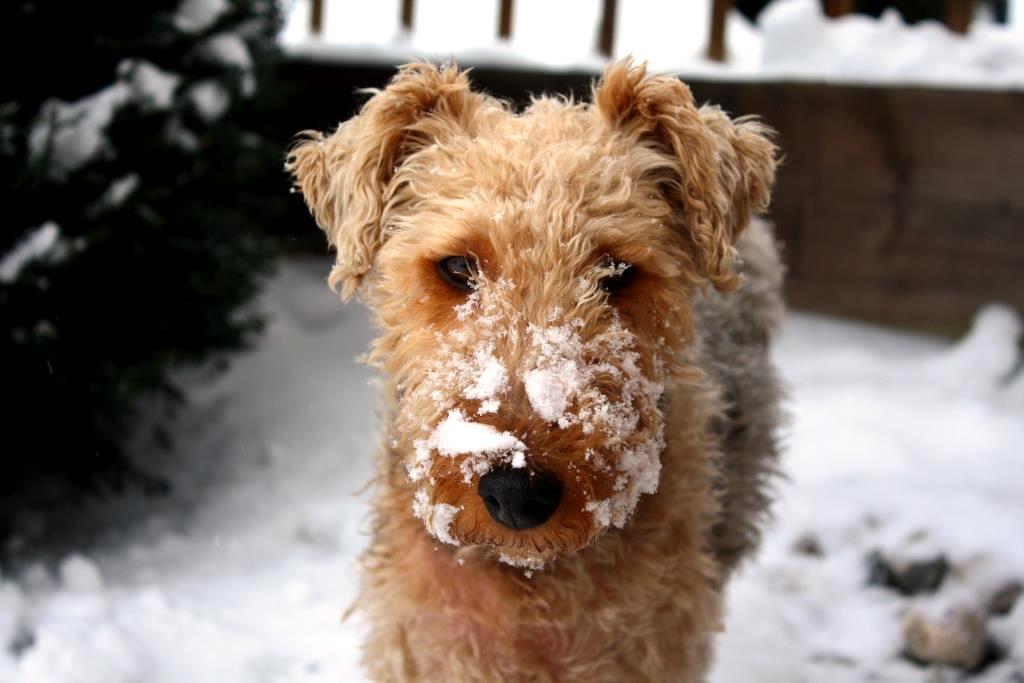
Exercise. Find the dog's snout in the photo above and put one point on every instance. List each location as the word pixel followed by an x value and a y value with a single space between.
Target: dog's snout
pixel 519 499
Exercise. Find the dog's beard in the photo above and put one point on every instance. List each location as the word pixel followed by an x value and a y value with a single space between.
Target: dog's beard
pixel 570 400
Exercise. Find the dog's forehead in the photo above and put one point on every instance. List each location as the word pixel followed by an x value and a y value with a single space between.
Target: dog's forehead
pixel 544 177
pixel 511 153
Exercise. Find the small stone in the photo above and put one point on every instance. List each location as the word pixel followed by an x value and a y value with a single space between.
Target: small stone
pixel 834 658
pixel 22 640
pixel 908 576
pixel 957 639
pixel 808 545
pixel 1004 597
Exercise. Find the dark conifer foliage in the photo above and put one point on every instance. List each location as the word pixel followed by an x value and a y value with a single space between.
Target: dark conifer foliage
pixel 139 194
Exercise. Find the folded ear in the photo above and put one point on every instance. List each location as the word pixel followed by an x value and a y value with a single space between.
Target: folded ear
pixel 722 171
pixel 346 177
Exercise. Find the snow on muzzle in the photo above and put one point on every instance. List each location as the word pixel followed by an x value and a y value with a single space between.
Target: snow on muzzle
pixel 533 439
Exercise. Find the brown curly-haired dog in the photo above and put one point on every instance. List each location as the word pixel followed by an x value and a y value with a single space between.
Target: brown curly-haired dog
pixel 582 409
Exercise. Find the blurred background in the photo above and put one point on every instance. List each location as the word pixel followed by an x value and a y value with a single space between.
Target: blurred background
pixel 186 427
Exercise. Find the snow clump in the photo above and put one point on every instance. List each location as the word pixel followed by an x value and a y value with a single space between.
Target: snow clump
pixel 563 388
pixel 565 372
pixel 438 517
pixel 69 134
pixel 490 377
pixel 455 435
pixel 40 243
pixel 78 573
pixel 194 16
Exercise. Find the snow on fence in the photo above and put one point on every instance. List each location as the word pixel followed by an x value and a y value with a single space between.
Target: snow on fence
pixel 958 16
pixel 791 40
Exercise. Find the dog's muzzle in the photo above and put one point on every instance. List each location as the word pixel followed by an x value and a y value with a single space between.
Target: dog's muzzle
pixel 519 499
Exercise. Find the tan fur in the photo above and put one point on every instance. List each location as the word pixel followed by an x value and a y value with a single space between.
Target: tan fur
pixel 541 199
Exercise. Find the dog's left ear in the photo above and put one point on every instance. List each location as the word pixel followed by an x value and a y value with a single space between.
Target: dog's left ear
pixel 346 177
pixel 720 172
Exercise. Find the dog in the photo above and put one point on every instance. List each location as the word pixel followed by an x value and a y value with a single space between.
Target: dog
pixel 575 310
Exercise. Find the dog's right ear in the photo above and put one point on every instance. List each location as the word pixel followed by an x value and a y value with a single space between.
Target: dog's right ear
pixel 719 171
pixel 346 177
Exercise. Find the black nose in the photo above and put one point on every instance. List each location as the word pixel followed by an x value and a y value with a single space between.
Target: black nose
pixel 519 499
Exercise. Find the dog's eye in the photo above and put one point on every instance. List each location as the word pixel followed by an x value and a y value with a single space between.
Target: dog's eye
pixel 617 275
pixel 458 271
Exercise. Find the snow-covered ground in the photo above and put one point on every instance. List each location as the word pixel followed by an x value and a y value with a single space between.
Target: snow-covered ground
pixel 900 443
pixel 792 40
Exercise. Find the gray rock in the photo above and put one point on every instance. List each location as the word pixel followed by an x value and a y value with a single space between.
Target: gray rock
pixel 908 576
pixel 809 545
pixel 1003 599
pixel 958 639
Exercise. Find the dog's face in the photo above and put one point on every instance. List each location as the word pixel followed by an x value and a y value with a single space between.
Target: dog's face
pixel 531 274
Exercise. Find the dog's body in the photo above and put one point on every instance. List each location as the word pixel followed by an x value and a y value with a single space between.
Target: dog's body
pixel 585 429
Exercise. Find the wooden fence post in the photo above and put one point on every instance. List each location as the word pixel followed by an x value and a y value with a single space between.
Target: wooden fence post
pixel 316 17
pixel 505 20
pixel 959 14
pixel 606 33
pixel 407 16
pixel 716 41
pixel 837 8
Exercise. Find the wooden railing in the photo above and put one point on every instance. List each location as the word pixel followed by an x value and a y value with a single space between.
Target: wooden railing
pixel 605 32
pixel 957 17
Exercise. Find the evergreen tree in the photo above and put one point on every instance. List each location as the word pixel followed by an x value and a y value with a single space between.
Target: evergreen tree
pixel 138 192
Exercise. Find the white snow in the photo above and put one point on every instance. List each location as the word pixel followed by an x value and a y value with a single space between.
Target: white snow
pixel 601 510
pixel 227 48
pixel 200 586
pixel 210 99
pixel 41 242
pixel 800 42
pixel 79 574
pixel 468 307
pixel 455 435
pixel 75 132
pixel 887 451
pixel 149 83
pixel 551 389
pixel 438 517
pixel 562 389
pixel 1016 15
pixel 792 40
pixel 194 16
pixel 563 377
pixel 490 378
pixel 230 49
pixel 989 352
pixel 120 190
pixel 673 36
pixel 244 572
pixel 612 355
pixel 488 406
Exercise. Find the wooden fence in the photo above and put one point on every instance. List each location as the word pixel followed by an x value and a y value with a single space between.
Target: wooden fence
pixel 901 205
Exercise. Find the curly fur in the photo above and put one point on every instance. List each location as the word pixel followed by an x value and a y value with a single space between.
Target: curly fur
pixel 541 199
